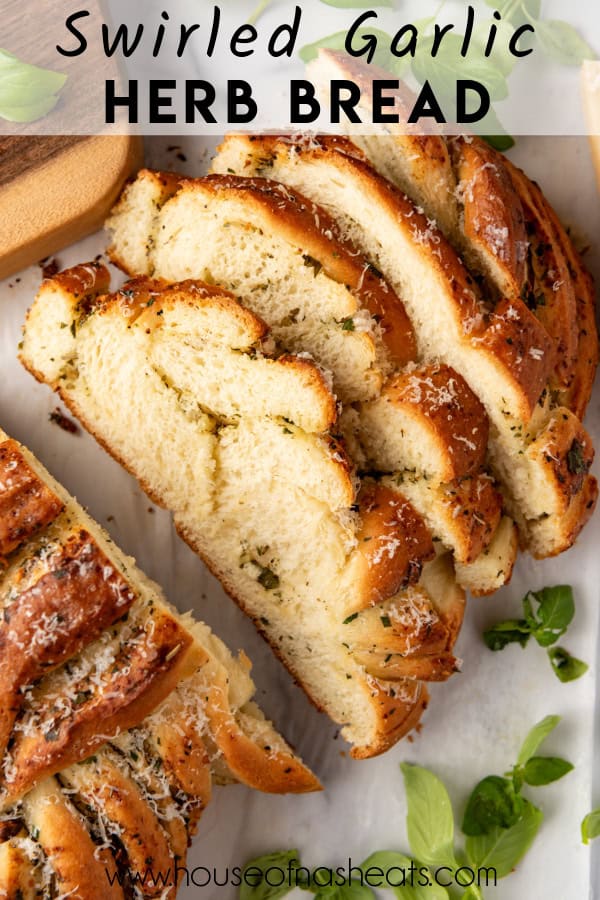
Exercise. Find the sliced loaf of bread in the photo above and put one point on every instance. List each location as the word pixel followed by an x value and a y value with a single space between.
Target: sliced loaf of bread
pixel 340 575
pixel 207 211
pixel 504 352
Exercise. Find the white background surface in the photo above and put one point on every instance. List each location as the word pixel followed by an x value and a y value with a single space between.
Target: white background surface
pixel 475 723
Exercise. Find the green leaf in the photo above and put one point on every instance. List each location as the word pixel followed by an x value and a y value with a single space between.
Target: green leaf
pixel 430 823
pixel 353 891
pixel 566 667
pixel 359 4
pixel 337 41
pixel 530 616
pixel 398 866
pixel 515 11
pixel 443 69
pixel 511 631
pixel 501 142
pixel 501 57
pixel 493 803
pixel 536 737
pixel 555 612
pixel 590 827
pixel 331 890
pixel 262 6
pixel 561 42
pixel 545 769
pixel 386 860
pixel 258 888
pixel 421 891
pixel 503 848
pixel 26 92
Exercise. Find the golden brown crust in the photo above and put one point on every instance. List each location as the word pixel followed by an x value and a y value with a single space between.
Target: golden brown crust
pixel 84 280
pixel 82 870
pixel 549 287
pixel 77 596
pixel 17 881
pixel 520 346
pixel 149 671
pixel 442 401
pixel 493 224
pixel 565 449
pixel 183 753
pixel 393 545
pixel 394 666
pixel 260 767
pixel 469 507
pixel 107 789
pixel 568 309
pixel 146 299
pixel 26 504
pixel 577 515
pixel 399 706
pixel 300 221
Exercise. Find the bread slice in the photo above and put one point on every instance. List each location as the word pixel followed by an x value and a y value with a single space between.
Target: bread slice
pixel 504 353
pixel 281 256
pixel 89 646
pixel 273 506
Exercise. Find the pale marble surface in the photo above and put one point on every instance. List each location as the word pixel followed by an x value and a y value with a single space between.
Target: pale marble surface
pixel 475 722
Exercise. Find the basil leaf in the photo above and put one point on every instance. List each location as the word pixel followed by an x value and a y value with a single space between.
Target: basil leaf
pixel 406 877
pixel 515 11
pixel 359 4
pixel 493 803
pixel 443 69
pixel 532 8
pixel 353 891
pixel 429 822
pixel 254 883
pixel 536 737
pixel 255 16
pixel 503 848
pixel 333 891
pixel 512 631
pixel 566 667
pixel 386 860
pixel 419 891
pixel 501 142
pixel 530 616
pixel 500 56
pixel 27 92
pixel 555 612
pixel 337 41
pixel 545 769
pixel 561 42
pixel 590 827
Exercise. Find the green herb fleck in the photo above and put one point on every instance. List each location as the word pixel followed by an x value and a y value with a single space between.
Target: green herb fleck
pixel 268 579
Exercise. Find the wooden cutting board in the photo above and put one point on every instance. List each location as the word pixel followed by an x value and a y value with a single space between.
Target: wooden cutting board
pixel 56 190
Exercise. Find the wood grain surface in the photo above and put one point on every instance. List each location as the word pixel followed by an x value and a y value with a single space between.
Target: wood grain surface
pixel 32 29
pixel 56 190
